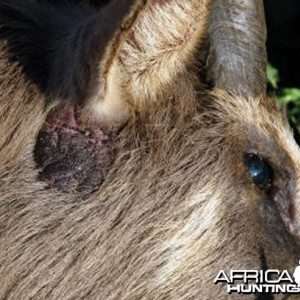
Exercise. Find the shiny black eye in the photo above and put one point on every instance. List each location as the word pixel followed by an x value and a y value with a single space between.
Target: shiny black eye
pixel 258 169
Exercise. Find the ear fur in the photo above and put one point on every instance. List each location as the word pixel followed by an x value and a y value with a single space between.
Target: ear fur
pixel 142 61
pixel 123 57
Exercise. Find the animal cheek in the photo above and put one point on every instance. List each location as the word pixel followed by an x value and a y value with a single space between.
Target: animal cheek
pixel 286 197
pixel 251 194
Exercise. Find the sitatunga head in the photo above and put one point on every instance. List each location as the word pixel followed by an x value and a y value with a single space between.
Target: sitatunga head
pixel 139 151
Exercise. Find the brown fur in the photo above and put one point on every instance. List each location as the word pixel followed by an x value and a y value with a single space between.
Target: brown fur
pixel 177 205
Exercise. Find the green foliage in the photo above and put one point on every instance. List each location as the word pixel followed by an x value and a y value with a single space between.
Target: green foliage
pixel 289 97
pixel 273 76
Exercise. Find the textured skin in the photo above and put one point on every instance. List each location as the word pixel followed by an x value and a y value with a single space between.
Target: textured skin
pixel 71 156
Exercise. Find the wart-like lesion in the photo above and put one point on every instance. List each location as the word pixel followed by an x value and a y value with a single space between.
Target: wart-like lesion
pixel 71 156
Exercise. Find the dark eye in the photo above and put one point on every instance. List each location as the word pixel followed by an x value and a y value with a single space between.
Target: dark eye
pixel 258 169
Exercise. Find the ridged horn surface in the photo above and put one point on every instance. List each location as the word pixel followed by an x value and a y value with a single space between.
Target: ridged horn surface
pixel 237 59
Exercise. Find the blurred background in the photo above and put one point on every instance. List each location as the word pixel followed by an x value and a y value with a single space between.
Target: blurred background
pixel 283 21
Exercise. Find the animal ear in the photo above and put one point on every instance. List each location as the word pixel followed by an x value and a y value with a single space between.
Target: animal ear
pixel 150 47
pixel 237 34
pixel 70 50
